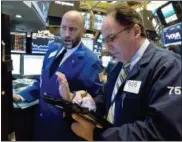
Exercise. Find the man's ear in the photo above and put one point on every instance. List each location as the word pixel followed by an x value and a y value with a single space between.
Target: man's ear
pixel 137 30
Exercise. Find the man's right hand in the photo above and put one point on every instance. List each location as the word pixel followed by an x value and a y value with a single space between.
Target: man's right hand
pixel 84 99
pixel 17 98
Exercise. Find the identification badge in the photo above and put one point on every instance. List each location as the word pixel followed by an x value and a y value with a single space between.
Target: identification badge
pixel 132 86
pixel 52 54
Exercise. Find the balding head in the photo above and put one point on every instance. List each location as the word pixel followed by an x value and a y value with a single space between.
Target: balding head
pixel 74 16
pixel 72 28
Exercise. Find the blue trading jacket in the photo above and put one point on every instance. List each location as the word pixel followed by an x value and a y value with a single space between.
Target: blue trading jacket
pixel 81 70
pixel 154 113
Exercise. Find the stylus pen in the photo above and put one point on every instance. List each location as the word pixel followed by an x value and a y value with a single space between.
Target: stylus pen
pixel 83 95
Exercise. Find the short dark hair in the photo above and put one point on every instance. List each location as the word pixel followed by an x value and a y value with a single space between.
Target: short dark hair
pixel 127 16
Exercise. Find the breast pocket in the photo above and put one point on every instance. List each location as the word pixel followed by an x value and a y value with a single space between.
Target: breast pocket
pixel 131 106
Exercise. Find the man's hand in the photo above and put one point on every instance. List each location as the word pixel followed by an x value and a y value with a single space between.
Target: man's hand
pixel 84 99
pixel 64 90
pixel 17 98
pixel 83 127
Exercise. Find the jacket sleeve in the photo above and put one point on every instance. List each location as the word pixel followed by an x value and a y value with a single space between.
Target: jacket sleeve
pixel 32 93
pixel 163 120
pixel 90 76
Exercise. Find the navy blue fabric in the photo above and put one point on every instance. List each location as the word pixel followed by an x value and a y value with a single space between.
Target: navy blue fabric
pixel 153 113
pixel 81 70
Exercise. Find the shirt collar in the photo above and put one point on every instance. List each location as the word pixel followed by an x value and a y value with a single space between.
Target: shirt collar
pixel 70 50
pixel 139 53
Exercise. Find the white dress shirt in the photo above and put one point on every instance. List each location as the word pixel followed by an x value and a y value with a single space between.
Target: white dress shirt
pixel 137 57
pixel 133 62
pixel 139 53
pixel 68 53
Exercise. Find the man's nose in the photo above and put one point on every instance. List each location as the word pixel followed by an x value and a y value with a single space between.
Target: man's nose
pixel 67 33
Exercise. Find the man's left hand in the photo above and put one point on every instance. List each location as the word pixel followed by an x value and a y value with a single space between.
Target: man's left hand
pixel 83 127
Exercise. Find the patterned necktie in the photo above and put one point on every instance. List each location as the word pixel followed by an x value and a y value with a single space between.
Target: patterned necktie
pixel 121 77
pixel 56 62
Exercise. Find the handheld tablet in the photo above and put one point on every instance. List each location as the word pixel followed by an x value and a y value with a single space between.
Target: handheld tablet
pixel 70 107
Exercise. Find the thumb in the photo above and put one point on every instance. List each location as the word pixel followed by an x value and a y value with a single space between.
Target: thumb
pixel 61 76
pixel 82 121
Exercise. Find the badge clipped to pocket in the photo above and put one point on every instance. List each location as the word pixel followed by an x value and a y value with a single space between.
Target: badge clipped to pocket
pixel 132 86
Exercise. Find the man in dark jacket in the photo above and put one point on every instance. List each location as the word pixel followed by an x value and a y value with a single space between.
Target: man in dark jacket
pixel 142 97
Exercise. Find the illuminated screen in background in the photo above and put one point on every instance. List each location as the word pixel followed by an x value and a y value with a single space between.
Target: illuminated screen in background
pixel 88 42
pixel 16 63
pixel 156 25
pixel 154 22
pixel 87 19
pixel 98 21
pixel 40 43
pixel 100 39
pixel 18 42
pixel 32 64
pixel 169 13
pixel 172 35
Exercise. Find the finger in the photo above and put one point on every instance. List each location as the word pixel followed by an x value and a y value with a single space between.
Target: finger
pixel 88 98
pixel 77 101
pixel 77 98
pixel 82 93
pixel 82 121
pixel 60 76
pixel 63 83
pixel 77 129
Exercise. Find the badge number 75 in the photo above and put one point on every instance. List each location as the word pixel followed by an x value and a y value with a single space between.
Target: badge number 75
pixel 174 90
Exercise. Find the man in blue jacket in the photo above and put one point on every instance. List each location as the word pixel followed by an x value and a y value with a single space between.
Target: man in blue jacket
pixel 81 68
pixel 142 97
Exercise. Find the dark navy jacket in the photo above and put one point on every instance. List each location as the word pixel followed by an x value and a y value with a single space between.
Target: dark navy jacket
pixel 81 70
pixel 154 113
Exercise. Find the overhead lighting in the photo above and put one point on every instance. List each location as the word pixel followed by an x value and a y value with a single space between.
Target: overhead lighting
pixel 57 2
pixel 138 9
pixel 114 1
pixel 65 3
pixel 18 16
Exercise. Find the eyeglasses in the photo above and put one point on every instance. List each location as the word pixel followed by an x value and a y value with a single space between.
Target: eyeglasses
pixel 112 37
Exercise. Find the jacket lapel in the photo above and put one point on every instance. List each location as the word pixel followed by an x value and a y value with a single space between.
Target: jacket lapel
pixel 76 57
pixel 111 84
pixel 145 59
pixel 55 56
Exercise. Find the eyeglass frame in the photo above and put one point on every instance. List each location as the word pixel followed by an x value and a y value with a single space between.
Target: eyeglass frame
pixel 113 36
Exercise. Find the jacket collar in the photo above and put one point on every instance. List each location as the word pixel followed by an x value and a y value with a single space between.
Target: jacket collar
pixel 79 51
pixel 145 59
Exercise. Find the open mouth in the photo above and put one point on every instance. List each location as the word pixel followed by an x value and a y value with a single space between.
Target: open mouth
pixel 113 54
pixel 68 41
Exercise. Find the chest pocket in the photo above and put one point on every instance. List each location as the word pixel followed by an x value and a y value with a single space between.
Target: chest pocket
pixel 132 107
